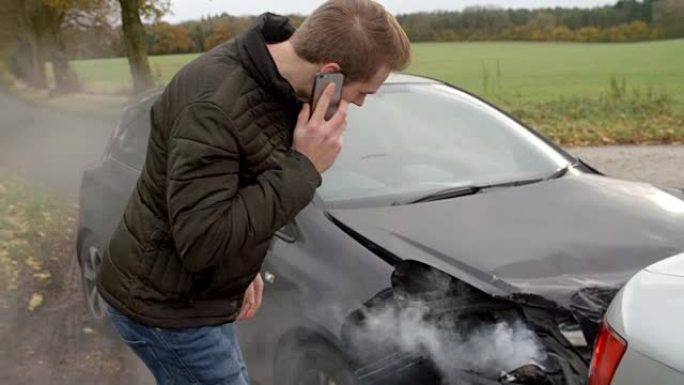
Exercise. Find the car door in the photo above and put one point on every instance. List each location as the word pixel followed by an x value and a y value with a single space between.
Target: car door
pixel 281 304
pixel 315 275
pixel 108 186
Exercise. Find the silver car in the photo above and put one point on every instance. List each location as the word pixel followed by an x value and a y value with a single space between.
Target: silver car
pixel 641 341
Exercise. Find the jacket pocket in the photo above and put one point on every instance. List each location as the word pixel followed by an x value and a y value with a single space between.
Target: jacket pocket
pixel 166 274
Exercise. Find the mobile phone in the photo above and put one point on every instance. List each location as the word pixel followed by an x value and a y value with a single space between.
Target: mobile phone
pixel 320 82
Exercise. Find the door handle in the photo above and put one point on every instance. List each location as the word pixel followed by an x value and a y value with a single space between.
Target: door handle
pixel 270 278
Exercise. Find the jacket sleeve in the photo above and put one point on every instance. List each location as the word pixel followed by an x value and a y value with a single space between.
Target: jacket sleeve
pixel 210 216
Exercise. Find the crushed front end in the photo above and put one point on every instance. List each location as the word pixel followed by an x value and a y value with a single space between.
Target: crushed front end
pixel 430 328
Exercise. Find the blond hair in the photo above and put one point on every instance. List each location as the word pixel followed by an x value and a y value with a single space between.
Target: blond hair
pixel 359 35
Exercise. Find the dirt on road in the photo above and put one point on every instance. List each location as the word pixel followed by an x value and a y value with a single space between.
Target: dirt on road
pixel 51 340
pixel 55 342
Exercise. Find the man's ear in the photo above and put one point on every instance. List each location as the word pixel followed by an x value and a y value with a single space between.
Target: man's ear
pixel 330 67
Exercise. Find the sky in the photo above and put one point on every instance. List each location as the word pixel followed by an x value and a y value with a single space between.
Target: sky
pixel 195 9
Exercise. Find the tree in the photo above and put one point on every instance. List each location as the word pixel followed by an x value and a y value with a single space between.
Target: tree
pixel 37 32
pixel 669 15
pixel 8 24
pixel 167 38
pixel 199 31
pixel 589 34
pixel 135 38
pixel 220 34
pixel 103 41
pixel 562 33
pixel 225 27
pixel 136 48
pixel 24 51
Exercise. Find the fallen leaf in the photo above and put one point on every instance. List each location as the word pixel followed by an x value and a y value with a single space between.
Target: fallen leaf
pixel 42 276
pixel 33 263
pixel 18 243
pixel 35 301
pixel 87 330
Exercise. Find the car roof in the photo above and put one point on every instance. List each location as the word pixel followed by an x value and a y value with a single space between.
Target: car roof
pixel 146 99
pixel 402 78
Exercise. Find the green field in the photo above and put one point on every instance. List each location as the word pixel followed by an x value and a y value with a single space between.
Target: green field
pixel 544 71
pixel 575 93
pixel 535 72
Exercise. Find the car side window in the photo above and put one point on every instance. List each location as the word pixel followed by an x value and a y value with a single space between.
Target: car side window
pixel 131 144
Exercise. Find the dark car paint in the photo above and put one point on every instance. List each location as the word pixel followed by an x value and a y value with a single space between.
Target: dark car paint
pixel 327 265
pixel 587 230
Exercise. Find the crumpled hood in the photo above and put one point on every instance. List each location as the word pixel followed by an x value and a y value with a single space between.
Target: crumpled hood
pixel 553 238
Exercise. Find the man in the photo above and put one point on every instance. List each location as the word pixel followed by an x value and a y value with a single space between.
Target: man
pixel 234 154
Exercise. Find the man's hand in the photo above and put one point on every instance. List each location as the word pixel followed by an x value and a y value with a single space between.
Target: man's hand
pixel 318 139
pixel 252 300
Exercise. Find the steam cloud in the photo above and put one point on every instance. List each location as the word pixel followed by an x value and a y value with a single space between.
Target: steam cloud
pixel 489 348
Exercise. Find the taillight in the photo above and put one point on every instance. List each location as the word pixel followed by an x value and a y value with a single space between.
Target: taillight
pixel 608 352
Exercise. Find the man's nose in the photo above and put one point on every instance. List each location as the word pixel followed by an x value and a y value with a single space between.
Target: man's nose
pixel 359 100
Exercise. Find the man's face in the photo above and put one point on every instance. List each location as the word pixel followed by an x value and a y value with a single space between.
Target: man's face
pixel 356 92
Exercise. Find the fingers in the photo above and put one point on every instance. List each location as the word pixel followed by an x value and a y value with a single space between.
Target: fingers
pixel 339 120
pixel 250 312
pixel 258 292
pixel 323 103
pixel 244 311
pixel 252 299
pixel 247 303
pixel 304 115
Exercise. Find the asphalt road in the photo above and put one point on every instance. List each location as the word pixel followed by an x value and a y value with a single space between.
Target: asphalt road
pixel 661 165
pixel 47 146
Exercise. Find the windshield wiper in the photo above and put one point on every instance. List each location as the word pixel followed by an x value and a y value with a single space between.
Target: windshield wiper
pixel 461 191
pixel 451 192
pixel 561 172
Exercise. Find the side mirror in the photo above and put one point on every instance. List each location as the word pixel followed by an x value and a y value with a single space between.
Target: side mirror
pixel 288 233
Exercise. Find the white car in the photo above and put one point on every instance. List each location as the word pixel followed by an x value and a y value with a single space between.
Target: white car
pixel 641 341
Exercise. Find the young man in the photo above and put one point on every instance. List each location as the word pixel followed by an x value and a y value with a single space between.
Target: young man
pixel 234 154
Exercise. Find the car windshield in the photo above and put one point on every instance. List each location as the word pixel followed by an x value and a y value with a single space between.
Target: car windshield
pixel 411 140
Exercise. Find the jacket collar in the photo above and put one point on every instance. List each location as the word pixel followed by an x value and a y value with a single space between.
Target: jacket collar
pixel 257 60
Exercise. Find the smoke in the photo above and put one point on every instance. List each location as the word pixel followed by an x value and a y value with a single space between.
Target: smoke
pixel 488 348
pixel 47 335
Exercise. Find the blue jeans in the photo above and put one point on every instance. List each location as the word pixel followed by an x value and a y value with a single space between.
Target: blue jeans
pixel 197 356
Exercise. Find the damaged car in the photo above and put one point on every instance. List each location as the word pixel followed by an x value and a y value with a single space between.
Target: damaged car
pixel 449 244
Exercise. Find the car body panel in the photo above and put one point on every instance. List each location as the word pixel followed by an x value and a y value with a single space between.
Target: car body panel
pixel 587 230
pixel 105 191
pixel 639 369
pixel 648 313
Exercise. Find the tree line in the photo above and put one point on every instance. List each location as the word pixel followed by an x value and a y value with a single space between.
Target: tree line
pixel 627 20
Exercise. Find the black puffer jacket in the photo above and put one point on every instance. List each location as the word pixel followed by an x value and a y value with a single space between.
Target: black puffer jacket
pixel 220 178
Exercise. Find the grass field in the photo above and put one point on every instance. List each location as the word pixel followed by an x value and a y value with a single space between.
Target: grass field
pixel 575 93
pixel 535 72
pixel 544 71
